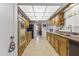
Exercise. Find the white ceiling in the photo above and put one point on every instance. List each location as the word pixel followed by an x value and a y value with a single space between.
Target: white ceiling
pixel 39 12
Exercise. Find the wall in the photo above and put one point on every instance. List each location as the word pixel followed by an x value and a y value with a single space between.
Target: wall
pixel 8 27
pixel 74 21
pixel 15 9
pixel 35 30
pixel 44 29
pixel 72 18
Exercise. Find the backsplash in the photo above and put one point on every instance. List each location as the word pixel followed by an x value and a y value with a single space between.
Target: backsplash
pixel 52 28
pixel 74 29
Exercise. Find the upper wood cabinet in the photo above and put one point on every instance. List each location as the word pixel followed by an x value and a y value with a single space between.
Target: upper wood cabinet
pixel 57 20
pixel 51 22
pixel 61 18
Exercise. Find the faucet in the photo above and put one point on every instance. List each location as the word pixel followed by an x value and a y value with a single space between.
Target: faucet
pixel 70 27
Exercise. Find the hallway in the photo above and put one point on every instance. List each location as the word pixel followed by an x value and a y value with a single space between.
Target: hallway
pixel 39 47
pixel 39 29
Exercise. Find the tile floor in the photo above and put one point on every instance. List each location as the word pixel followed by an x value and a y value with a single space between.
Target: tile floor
pixel 39 47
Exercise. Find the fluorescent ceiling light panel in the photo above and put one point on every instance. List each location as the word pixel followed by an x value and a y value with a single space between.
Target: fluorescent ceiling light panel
pixel 38 17
pixel 31 17
pixel 26 8
pixel 52 8
pixel 47 14
pixel 39 14
pixel 29 14
pixel 45 17
pixel 39 8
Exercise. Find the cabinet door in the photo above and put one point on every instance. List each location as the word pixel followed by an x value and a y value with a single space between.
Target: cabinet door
pixel 52 40
pixel 56 20
pixel 61 18
pixel 56 43
pixel 63 48
pixel 47 36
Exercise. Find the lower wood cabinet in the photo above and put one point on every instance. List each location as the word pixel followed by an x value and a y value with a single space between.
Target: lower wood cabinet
pixel 48 37
pixel 21 49
pixel 56 43
pixel 52 40
pixel 60 44
pixel 63 46
pixel 28 38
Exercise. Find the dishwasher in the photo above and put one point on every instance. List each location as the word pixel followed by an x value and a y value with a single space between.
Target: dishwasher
pixel 73 48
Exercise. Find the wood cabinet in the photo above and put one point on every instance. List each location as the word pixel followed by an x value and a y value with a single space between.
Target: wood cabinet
pixel 23 36
pixel 21 49
pixel 48 37
pixel 58 20
pixel 60 43
pixel 56 43
pixel 28 38
pixel 63 46
pixel 52 40
pixel 61 18
pixel 52 22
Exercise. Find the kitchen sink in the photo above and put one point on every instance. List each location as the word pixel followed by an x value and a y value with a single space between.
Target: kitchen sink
pixel 69 34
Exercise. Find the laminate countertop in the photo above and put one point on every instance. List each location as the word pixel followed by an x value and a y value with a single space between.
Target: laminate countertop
pixel 71 36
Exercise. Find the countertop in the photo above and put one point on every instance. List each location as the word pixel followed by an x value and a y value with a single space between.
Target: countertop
pixel 71 37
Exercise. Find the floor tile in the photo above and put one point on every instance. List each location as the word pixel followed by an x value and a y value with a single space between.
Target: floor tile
pixel 39 47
